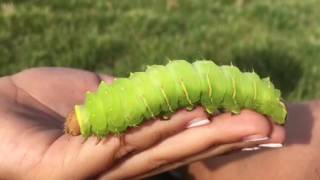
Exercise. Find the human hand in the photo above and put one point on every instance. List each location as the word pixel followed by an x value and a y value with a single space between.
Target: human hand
pixel 299 159
pixel 35 102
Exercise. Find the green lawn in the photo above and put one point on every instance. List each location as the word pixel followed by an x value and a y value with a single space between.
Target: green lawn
pixel 276 38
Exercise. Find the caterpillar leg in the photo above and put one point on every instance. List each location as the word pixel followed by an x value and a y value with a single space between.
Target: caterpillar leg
pixel 210 109
pixel 166 116
pixel 190 108
pixel 235 111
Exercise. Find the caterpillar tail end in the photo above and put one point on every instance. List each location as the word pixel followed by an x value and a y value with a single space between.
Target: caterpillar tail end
pixel 71 125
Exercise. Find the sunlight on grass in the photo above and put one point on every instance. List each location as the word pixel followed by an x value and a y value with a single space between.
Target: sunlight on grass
pixel 280 39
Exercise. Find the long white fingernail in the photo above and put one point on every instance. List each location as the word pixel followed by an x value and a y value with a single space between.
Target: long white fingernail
pixel 271 145
pixel 255 139
pixel 198 122
pixel 250 149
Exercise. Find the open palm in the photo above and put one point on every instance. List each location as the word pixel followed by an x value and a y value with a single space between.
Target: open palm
pixel 35 102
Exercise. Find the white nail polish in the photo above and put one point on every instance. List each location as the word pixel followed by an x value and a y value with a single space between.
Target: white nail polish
pixel 271 145
pixel 250 149
pixel 257 139
pixel 197 123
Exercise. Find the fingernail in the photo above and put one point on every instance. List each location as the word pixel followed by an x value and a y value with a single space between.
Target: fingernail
pixel 197 123
pixel 271 145
pixel 255 138
pixel 250 149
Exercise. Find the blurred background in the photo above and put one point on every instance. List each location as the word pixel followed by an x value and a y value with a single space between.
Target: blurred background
pixel 280 39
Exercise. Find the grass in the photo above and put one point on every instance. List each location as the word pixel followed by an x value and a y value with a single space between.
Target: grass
pixel 280 39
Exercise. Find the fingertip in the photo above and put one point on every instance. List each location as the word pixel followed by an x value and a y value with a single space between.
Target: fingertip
pixel 278 134
pixel 106 78
pixel 247 122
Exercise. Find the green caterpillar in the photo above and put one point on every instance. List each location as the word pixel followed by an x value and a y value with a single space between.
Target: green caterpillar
pixel 161 90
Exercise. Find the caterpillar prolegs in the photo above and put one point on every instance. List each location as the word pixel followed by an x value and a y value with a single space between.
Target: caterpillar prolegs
pixel 161 90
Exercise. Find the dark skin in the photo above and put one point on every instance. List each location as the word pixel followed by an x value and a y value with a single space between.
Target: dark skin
pixel 298 160
pixel 35 102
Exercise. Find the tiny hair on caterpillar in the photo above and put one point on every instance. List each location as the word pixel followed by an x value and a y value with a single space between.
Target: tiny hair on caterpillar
pixel 161 90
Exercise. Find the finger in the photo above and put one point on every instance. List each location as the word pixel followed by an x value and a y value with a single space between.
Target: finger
pixel 276 140
pixel 279 134
pixel 150 133
pixel 93 156
pixel 157 130
pixel 224 129
pixel 106 78
pixel 277 137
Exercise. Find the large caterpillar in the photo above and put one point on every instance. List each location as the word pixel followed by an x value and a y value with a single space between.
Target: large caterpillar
pixel 161 90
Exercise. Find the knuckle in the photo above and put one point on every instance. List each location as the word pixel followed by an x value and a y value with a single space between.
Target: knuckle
pixel 157 136
pixel 125 148
pixel 257 123
pixel 157 162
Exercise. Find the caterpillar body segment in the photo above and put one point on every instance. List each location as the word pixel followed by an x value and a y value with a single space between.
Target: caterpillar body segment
pixel 212 92
pixel 162 90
